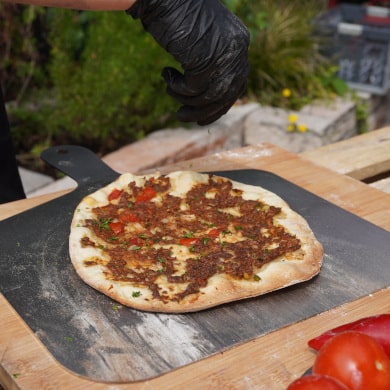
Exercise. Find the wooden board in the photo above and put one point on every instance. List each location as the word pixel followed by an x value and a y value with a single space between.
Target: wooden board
pixel 360 157
pixel 95 337
pixel 270 361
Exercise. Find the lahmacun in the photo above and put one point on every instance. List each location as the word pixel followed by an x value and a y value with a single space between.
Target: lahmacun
pixel 188 241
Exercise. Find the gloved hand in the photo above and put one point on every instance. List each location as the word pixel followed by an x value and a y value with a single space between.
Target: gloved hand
pixel 210 43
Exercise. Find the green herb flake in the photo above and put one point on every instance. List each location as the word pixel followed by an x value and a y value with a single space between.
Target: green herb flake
pixel 104 223
pixel 256 278
pixel 136 294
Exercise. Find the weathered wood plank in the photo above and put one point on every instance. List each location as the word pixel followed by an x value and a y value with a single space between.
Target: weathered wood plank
pixel 360 157
pixel 383 185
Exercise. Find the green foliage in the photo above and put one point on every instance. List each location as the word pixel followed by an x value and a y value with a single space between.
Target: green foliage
pixel 106 73
pixel 284 53
pixel 361 113
pixel 21 61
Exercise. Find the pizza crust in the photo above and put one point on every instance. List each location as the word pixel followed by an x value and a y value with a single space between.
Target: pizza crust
pixel 293 268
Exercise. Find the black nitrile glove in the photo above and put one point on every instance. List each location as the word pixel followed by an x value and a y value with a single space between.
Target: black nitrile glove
pixel 210 43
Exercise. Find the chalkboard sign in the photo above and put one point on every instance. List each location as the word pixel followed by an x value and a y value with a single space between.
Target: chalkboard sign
pixel 361 49
pixel 373 63
pixel 364 63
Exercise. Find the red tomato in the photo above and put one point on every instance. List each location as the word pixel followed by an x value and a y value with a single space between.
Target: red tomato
pixel 377 327
pixel 128 216
pixel 117 227
pixel 356 360
pixel 316 382
pixel 214 233
pixel 115 194
pixel 188 241
pixel 147 194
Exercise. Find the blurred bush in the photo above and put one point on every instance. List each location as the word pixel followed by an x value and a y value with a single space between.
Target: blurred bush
pixel 285 53
pixel 23 52
pixel 106 73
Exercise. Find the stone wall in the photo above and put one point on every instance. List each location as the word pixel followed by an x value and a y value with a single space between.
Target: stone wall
pixel 249 124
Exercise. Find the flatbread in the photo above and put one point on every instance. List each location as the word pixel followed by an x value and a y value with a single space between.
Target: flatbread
pixel 189 241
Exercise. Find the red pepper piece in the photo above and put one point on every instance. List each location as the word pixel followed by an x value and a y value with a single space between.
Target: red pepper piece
pixel 135 241
pixel 214 233
pixel 147 194
pixel 378 327
pixel 188 241
pixel 128 216
pixel 117 227
pixel 115 194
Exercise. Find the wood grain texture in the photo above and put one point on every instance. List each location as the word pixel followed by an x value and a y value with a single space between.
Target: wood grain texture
pixel 360 157
pixel 268 362
pixel 382 184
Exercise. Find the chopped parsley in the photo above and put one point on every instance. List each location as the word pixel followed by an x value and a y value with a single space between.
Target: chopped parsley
pixel 103 223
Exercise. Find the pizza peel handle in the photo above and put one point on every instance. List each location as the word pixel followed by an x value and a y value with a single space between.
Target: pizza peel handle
pixel 79 163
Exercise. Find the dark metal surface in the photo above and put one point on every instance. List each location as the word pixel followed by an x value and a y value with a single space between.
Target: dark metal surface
pixel 95 337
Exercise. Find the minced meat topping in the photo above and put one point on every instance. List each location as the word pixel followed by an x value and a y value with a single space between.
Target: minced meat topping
pixel 151 238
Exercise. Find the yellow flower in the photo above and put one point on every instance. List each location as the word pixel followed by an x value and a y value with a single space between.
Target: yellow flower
pixel 290 127
pixel 286 92
pixel 292 118
pixel 302 128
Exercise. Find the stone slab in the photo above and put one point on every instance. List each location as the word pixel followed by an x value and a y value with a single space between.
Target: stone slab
pixel 32 181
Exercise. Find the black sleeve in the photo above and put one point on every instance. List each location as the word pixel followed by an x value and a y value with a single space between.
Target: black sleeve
pixel 11 187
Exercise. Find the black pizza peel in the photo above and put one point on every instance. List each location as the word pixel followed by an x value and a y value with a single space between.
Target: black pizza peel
pixel 95 337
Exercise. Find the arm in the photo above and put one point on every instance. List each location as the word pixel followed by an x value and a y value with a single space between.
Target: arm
pixel 93 5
